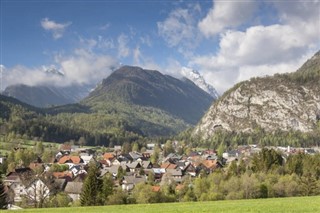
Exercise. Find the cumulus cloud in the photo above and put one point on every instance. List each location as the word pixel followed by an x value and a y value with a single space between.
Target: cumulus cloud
pixel 226 14
pixel 57 29
pixel 263 50
pixel 81 67
pixel 179 29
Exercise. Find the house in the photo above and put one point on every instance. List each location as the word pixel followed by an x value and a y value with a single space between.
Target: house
pixel 2 159
pixel 77 169
pixel 65 147
pixel 108 156
pixel 168 165
pixel 190 170
pixel 150 146
pixel 172 158
pixel 17 180
pixel 70 159
pixel 146 164
pixel 113 170
pixel 37 191
pixel 87 158
pixel 129 182
pixel 73 189
pixel 61 153
pixel 156 188
pixel 67 175
pixel 176 174
pixel 209 165
pixel 135 156
pixel 158 173
pixel 134 166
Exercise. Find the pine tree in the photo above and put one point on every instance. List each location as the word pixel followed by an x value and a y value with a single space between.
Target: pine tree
pixel 107 188
pixel 3 196
pixel 92 187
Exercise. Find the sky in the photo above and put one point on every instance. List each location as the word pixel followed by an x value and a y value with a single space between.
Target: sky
pixel 226 41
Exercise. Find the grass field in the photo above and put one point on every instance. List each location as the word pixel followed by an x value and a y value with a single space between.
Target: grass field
pixel 296 204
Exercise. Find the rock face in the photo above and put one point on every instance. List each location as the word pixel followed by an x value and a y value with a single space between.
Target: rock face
pixel 285 102
pixel 198 79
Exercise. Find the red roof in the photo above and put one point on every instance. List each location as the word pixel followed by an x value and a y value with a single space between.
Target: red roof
pixel 210 164
pixel 62 175
pixel 108 156
pixel 168 166
pixel 155 188
pixel 70 159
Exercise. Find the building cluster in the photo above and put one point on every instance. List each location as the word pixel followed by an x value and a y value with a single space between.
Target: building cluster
pixel 135 167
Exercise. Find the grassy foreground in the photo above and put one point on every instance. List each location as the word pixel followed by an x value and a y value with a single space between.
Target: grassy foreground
pixel 295 204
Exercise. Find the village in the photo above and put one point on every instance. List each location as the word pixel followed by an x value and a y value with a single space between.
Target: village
pixel 67 171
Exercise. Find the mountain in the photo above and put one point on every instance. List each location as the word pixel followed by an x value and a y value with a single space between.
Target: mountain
pixel 45 96
pixel 137 87
pixel 281 102
pixel 198 79
pixel 49 95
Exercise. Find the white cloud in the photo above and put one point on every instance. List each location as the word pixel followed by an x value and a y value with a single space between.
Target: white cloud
pixel 180 30
pixel 226 14
pixel 123 49
pixel 57 29
pixel 82 67
pixel 136 55
pixel 263 50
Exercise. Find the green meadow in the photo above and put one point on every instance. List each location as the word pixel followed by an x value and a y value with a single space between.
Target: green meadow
pixel 293 204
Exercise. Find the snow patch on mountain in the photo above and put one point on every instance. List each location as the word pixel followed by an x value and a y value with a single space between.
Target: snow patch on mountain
pixel 198 79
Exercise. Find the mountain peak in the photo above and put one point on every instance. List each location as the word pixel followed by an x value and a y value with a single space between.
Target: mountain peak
pixel 198 79
pixel 53 71
pixel 142 87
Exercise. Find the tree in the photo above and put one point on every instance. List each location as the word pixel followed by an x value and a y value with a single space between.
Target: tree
pixel 155 156
pixel 142 193
pixel 168 148
pixel 60 200
pixel 107 188
pixel 121 172
pixel 82 141
pixel 3 196
pixel 117 198
pixel 39 190
pixel 91 187
pixel 135 147
pixel 39 148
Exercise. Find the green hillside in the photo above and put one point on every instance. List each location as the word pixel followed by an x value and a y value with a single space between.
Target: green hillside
pixel 134 86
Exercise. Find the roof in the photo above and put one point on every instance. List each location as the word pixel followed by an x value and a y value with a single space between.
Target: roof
pixel 209 164
pixel 73 187
pixel 168 166
pixel 155 188
pixel 70 159
pixel 133 179
pixel 63 175
pixel 135 155
pixel 108 156
pixel 174 172
pixel 145 164
pixel 65 147
pixel 134 165
pixel 20 175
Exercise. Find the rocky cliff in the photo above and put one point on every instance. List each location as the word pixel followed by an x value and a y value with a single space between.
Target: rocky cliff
pixel 281 102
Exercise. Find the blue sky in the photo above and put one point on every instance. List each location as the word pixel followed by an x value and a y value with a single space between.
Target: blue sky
pixel 226 41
